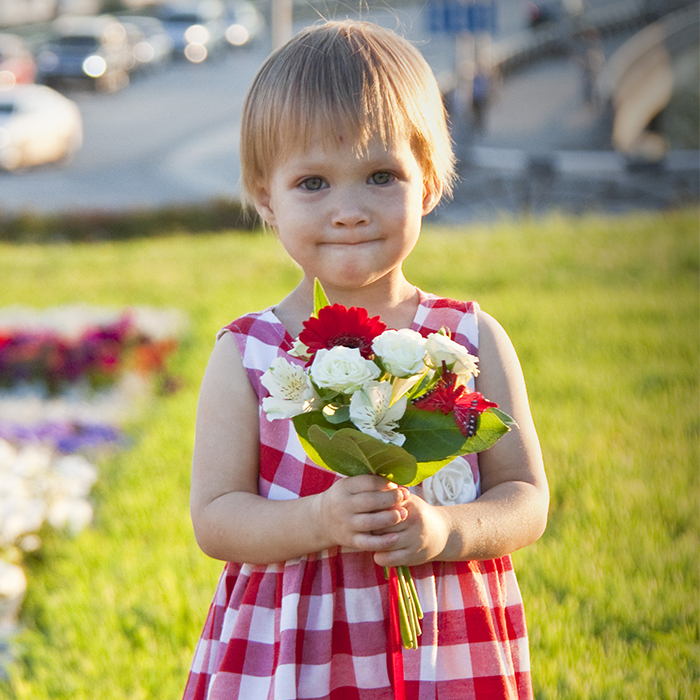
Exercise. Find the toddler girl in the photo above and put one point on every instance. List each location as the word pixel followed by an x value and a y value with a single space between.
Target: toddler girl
pixel 344 148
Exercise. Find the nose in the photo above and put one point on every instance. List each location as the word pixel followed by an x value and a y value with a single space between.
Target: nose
pixel 350 210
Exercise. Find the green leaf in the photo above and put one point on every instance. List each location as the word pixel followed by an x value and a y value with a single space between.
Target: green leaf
pixel 320 298
pixel 351 452
pixel 490 428
pixel 434 436
pixel 430 435
pixel 507 420
pixel 346 450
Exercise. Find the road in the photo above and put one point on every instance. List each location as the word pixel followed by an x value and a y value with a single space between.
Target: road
pixel 172 137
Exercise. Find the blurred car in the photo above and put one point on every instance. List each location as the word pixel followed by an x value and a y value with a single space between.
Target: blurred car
pixel 37 125
pixel 16 62
pixel 155 47
pixel 196 28
pixel 91 50
pixel 244 23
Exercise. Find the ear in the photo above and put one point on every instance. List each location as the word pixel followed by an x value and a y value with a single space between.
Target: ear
pixel 263 205
pixel 431 197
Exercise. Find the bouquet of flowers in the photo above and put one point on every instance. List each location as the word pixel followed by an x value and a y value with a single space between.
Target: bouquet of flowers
pixel 376 401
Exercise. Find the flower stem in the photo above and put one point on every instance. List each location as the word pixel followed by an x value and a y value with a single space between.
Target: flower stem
pixel 414 592
pixel 410 611
pixel 407 632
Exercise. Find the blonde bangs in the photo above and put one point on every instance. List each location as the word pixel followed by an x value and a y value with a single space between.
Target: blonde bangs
pixel 344 77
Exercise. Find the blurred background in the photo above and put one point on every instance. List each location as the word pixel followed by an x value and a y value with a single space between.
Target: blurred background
pixel 130 105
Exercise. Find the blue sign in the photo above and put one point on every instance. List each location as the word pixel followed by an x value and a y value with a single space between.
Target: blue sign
pixel 456 16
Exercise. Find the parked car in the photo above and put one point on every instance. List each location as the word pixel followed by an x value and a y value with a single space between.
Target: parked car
pixel 244 23
pixel 197 29
pixel 37 125
pixel 155 47
pixel 92 50
pixel 16 62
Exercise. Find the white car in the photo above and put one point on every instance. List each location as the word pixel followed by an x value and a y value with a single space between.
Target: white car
pixel 37 125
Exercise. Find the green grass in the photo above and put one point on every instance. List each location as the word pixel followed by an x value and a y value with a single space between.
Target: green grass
pixel 605 315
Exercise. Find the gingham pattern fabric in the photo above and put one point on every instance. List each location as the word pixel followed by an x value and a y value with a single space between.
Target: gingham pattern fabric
pixel 317 626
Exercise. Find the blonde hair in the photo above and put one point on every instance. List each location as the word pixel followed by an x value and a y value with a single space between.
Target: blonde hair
pixel 349 75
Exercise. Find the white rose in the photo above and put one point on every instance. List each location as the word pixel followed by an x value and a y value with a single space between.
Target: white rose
pixel 372 412
pixel 342 369
pixel 401 351
pixel 441 349
pixel 291 392
pixel 453 484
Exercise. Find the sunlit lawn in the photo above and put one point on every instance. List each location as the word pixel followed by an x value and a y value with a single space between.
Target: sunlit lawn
pixel 605 315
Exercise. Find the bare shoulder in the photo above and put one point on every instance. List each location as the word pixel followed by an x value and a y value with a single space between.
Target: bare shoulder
pixel 498 361
pixel 518 455
pixel 226 434
pixel 225 368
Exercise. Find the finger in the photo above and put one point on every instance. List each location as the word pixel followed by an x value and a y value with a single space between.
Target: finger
pixel 399 527
pixel 388 556
pixel 374 543
pixel 369 501
pixel 379 520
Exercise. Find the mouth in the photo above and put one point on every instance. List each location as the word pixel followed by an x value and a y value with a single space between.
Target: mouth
pixel 352 242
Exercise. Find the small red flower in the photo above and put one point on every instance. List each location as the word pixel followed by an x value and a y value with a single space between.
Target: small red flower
pixel 448 398
pixel 467 411
pixel 338 325
pixel 443 396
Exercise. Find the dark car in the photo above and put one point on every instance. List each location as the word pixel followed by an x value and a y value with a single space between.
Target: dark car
pixel 92 50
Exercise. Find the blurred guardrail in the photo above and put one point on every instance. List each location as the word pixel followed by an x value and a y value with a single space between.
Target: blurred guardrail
pixel 637 82
pixel 555 38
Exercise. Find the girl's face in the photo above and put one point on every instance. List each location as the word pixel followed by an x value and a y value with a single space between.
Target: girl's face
pixel 348 219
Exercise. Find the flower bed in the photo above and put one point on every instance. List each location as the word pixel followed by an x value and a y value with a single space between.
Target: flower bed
pixel 69 378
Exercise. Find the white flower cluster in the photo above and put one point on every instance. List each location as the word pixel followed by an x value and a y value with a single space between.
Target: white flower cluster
pixel 373 391
pixel 38 486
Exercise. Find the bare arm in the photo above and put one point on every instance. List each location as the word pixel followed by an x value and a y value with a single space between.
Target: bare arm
pixel 512 511
pixel 232 522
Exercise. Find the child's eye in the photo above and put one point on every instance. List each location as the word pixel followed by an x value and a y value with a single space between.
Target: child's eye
pixel 381 178
pixel 313 184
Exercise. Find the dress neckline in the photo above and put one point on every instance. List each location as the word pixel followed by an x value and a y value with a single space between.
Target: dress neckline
pixel 288 340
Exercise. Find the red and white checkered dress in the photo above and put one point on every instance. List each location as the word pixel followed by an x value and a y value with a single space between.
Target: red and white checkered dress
pixel 317 626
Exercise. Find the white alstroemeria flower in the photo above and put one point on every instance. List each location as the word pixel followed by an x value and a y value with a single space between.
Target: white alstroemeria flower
pixel 299 350
pixel 342 369
pixel 441 349
pixel 453 484
pixel 291 392
pixel 401 352
pixel 372 412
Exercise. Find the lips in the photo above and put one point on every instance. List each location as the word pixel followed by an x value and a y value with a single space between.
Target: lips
pixel 351 241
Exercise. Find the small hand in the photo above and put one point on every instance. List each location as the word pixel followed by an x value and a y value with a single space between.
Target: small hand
pixel 359 511
pixel 421 537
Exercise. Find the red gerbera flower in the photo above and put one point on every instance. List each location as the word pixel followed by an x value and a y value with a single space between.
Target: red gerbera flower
pixel 443 396
pixel 467 411
pixel 338 325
